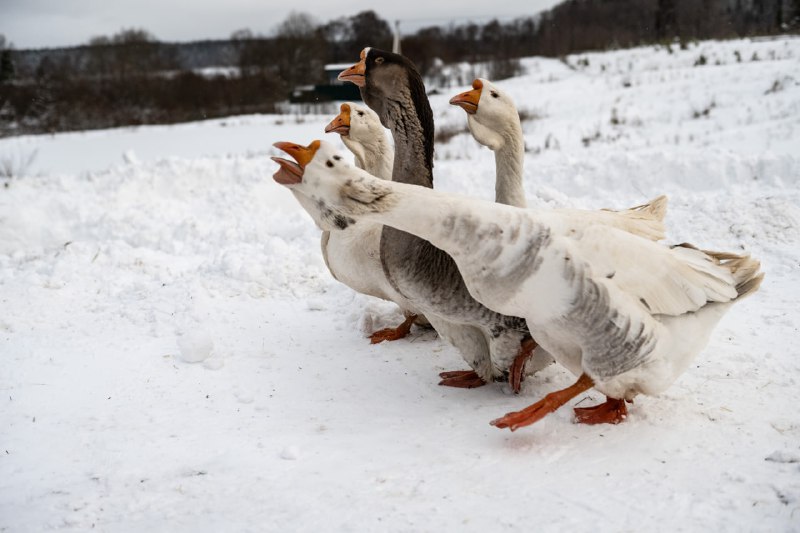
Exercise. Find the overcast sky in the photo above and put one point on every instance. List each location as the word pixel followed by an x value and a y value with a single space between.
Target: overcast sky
pixel 47 23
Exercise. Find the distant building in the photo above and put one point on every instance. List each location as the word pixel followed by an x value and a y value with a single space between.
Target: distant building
pixel 328 92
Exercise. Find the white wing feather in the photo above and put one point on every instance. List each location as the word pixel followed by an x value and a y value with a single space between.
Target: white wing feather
pixel 664 280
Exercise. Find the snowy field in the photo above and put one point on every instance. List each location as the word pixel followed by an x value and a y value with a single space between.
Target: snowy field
pixel 175 356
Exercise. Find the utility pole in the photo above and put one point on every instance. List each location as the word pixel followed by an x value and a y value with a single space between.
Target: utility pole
pixel 396 40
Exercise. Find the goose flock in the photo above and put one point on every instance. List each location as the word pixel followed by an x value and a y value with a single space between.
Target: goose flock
pixel 512 288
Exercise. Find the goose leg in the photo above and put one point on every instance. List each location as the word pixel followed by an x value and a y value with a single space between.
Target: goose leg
pixel 463 379
pixel 516 372
pixel 543 407
pixel 613 411
pixel 393 334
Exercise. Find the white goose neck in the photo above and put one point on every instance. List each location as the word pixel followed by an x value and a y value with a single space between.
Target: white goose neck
pixel 374 154
pixel 509 163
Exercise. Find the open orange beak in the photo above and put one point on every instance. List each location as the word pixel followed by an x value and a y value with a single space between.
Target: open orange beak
pixel 468 101
pixel 291 173
pixel 341 124
pixel 355 74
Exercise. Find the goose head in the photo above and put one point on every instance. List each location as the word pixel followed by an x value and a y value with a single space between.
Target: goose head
pixel 341 123
pixel 383 76
pixel 491 114
pixel 331 189
pixel 361 131
pixel 293 175
pixel 356 122
pixel 378 75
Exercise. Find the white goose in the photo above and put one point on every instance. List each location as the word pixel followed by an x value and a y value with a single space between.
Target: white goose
pixel 494 122
pixel 353 255
pixel 623 313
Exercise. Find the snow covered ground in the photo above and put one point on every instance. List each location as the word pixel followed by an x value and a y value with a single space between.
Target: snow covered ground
pixel 174 355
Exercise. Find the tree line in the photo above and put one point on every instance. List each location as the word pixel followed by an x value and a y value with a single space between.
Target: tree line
pixel 132 78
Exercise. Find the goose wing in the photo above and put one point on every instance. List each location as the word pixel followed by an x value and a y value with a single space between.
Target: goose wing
pixel 646 220
pixel 665 280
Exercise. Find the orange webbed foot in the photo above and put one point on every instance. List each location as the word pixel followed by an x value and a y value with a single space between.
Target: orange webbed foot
pixel 613 411
pixel 393 334
pixel 463 379
pixel 543 407
pixel 527 416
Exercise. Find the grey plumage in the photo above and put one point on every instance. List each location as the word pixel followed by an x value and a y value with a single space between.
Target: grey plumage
pixel 625 345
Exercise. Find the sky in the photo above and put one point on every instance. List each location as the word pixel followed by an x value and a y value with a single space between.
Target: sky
pixel 45 23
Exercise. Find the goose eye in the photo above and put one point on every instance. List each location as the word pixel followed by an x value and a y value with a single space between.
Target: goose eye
pixel 378 60
pixel 337 157
pixel 360 113
pixel 495 95
pixel 329 163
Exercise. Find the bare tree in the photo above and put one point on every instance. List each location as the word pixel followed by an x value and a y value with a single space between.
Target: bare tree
pixel 7 69
pixel 297 53
pixel 243 34
pixel 296 26
pixel 338 34
pixel 130 52
pixel 371 30
pixel 666 22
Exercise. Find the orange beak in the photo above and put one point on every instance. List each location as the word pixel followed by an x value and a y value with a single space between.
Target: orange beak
pixel 355 74
pixel 341 124
pixel 469 100
pixel 291 173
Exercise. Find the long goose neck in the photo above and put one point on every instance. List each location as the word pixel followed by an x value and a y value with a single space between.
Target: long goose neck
pixel 458 225
pixel 375 156
pixel 413 150
pixel 509 162
pixel 359 151
pixel 407 112
pixel 413 212
pixel 398 97
pixel 381 158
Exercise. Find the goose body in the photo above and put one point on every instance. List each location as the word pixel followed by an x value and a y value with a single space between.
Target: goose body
pixel 424 274
pixel 624 313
